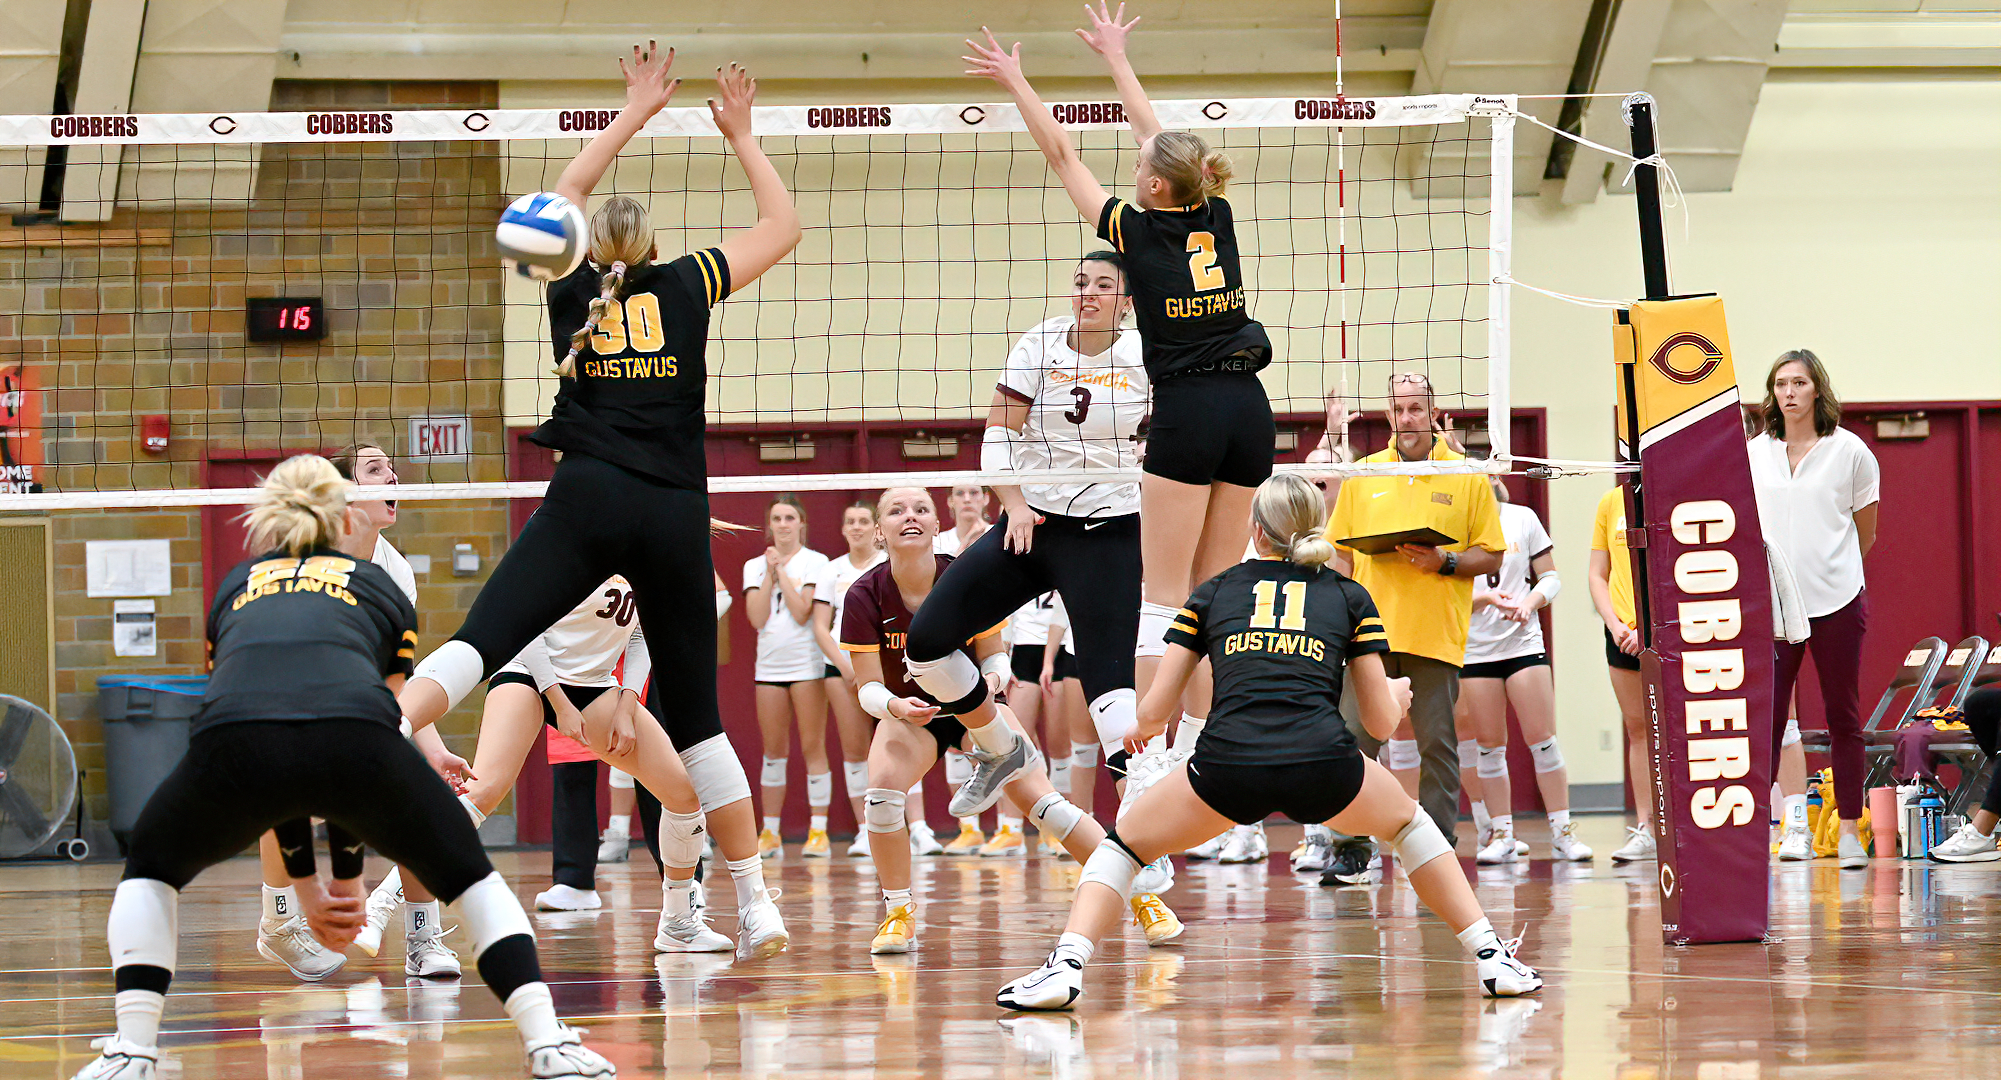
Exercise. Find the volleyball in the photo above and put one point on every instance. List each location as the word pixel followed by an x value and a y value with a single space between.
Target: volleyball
pixel 541 236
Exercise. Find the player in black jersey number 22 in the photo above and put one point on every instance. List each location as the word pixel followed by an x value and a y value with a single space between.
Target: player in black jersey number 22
pixel 1282 631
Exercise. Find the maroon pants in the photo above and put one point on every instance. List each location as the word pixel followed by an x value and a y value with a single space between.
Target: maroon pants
pixel 1837 659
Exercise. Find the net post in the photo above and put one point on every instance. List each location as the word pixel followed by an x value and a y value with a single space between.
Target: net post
pixel 1638 109
pixel 1500 268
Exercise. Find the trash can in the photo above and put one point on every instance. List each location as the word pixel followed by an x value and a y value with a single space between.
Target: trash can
pixel 146 721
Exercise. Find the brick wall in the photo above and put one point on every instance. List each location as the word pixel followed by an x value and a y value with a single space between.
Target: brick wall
pixel 395 237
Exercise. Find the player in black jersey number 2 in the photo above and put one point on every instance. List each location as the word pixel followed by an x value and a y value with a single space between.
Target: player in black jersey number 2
pixel 308 646
pixel 1282 631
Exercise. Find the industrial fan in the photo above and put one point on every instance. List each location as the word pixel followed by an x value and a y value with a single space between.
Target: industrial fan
pixel 37 781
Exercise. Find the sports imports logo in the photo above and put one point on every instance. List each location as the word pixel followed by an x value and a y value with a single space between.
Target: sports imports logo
pixel 1707 358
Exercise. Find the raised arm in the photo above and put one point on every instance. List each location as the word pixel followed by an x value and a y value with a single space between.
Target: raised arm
pixel 988 61
pixel 647 91
pixel 1107 38
pixel 756 249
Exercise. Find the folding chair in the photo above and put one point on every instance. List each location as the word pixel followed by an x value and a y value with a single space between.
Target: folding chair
pixel 1918 672
pixel 1972 663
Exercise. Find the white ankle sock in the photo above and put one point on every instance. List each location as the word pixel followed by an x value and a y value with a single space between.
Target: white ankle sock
pixel 972 823
pixel 1795 814
pixel 1558 819
pixel 1480 936
pixel 534 1013
pixel 894 898
pixel 995 737
pixel 139 1016
pixel 1504 823
pixel 1005 822
pixel 748 877
pixel 1189 731
pixel 771 825
pixel 620 825
pixel 280 904
pixel 1075 946
pixel 1481 819
pixel 420 920
pixel 1321 831
pixel 677 897
pixel 819 823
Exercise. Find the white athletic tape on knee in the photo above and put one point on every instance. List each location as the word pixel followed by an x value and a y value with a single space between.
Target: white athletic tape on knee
pixel 773 773
pixel 1084 755
pixel 1153 623
pixel 1115 715
pixel 1792 736
pixel 681 837
pixel 1469 753
pixel 1548 756
pixel 819 790
pixel 1420 842
pixel 1111 866
pixel 882 810
pixel 490 913
pixel 716 773
pixel 1401 754
pixel 622 780
pixel 1493 762
pixel 1055 816
pixel 947 679
pixel 855 774
pixel 455 666
pixel 958 768
pixel 144 927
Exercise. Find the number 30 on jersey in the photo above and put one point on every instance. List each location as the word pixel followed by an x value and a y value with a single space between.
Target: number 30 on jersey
pixel 635 321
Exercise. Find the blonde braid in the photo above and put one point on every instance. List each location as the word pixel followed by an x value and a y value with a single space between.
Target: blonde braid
pixel 610 289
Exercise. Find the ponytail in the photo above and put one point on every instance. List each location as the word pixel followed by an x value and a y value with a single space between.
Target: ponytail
pixel 303 505
pixel 1289 515
pixel 1192 170
pixel 609 289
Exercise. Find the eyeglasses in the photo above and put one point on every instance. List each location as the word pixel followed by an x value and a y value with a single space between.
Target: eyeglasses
pixel 1411 377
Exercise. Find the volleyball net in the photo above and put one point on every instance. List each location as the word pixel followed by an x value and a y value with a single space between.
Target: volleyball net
pixel 181 288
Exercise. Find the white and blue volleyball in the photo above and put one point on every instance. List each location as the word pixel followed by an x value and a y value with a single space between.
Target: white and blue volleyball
pixel 542 236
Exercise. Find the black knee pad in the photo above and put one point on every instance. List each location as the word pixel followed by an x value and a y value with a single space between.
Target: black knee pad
pixel 509 964
pixel 1116 762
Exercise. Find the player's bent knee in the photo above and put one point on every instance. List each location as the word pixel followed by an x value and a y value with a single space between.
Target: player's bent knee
pixel 456 666
pixel 1055 816
pixel 1401 755
pixel 1792 736
pixel 1113 866
pixel 1420 842
pixel 1469 754
pixel 680 839
pixel 882 810
pixel 773 773
pixel 952 679
pixel 620 780
pixel 491 913
pixel 144 927
pixel 716 773
pixel 1493 762
pixel 1114 714
pixel 1548 756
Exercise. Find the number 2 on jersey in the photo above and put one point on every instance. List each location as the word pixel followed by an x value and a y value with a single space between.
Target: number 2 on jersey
pixel 1265 593
pixel 636 319
pixel 1202 267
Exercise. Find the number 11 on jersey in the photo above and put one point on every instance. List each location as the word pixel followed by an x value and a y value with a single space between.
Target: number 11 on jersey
pixel 1265 593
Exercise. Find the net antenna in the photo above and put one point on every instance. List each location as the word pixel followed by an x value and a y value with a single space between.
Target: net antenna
pixel 935 238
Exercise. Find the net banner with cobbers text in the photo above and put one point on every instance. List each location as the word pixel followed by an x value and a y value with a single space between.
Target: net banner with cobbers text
pixel 1704 599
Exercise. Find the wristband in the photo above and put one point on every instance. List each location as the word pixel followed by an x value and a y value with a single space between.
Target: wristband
pixel 997 449
pixel 1450 566
pixel 874 698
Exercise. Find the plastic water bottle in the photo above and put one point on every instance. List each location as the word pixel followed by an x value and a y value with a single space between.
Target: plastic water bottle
pixel 1931 815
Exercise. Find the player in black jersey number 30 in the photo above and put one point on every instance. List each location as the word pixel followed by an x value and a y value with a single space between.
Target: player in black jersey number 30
pixel 1282 632
pixel 308 646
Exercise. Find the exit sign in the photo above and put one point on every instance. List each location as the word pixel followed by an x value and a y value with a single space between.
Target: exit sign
pixel 440 438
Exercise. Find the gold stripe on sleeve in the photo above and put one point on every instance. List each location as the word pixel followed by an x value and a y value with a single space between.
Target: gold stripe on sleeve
pixel 711 276
pixel 1361 639
pixel 845 647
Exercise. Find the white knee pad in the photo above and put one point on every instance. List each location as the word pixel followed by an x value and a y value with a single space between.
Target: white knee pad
pixel 1493 762
pixel 958 767
pixel 1548 756
pixel 1401 754
pixel 1469 753
pixel 1153 623
pixel 773 773
pixel 1115 715
pixel 144 927
pixel 1112 866
pixel 681 837
pixel 622 780
pixel 715 771
pixel 1055 816
pixel 1083 755
pixel 882 810
pixel 945 680
pixel 491 913
pixel 819 790
pixel 1792 735
pixel 855 774
pixel 456 666
pixel 1420 842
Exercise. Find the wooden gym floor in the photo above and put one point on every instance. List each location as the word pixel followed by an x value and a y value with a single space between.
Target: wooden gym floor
pixel 1892 970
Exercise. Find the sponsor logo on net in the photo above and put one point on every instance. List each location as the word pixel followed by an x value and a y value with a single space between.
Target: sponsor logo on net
pixel 350 123
pixel 93 127
pixel 848 116
pixel 1089 112
pixel 1333 109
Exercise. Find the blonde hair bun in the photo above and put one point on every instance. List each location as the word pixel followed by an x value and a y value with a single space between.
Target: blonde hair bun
pixel 303 505
pixel 1192 170
pixel 1289 514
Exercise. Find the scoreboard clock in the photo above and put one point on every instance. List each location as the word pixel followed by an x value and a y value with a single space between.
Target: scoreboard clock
pixel 285 318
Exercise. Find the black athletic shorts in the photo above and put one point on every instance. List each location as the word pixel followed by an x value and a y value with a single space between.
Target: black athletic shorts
pixel 946 731
pixel 1027 661
pixel 1618 659
pixel 580 696
pixel 832 672
pixel 1503 669
pixel 1207 428
pixel 1308 792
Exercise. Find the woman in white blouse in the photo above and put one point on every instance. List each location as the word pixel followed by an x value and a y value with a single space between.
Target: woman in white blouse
pixel 790 672
pixel 1817 493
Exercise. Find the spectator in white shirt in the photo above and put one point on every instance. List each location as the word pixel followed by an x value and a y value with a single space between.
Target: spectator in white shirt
pixel 1817 493
pixel 790 671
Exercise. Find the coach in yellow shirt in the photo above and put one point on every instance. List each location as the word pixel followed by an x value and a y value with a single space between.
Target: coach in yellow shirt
pixel 1611 583
pixel 1425 594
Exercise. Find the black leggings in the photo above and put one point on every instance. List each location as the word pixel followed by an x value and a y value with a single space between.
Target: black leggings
pixel 1094 564
pixel 1983 716
pixel 598 520
pixel 240 779
pixel 573 824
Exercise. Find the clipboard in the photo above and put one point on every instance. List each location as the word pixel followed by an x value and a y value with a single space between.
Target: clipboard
pixel 1384 543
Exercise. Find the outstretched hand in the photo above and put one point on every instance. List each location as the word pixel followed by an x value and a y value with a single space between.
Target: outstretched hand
pixel 735 90
pixel 647 87
pixel 990 61
pixel 1107 35
pixel 455 770
pixel 334 918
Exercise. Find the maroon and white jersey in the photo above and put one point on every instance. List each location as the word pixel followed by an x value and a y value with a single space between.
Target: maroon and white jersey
pixel 584 647
pixel 1084 412
pixel 874 620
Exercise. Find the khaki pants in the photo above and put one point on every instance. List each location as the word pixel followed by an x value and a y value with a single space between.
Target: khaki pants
pixel 1434 690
